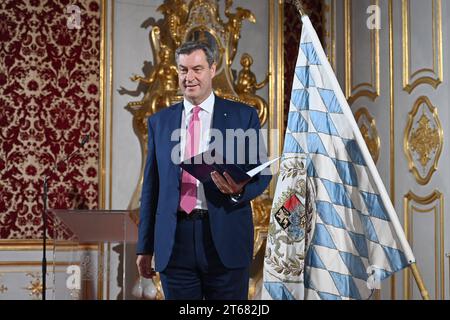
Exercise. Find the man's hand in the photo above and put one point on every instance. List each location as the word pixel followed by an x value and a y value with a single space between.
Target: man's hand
pixel 144 264
pixel 226 184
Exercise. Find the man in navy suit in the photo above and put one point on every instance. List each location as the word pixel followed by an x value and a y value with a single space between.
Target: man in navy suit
pixel 205 251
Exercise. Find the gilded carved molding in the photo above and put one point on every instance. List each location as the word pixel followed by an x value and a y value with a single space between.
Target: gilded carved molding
pixel 434 74
pixel 369 89
pixel 448 256
pixel 329 17
pixel 423 140
pixel 368 128
pixel 414 206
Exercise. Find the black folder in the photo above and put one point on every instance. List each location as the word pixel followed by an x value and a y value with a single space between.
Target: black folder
pixel 202 165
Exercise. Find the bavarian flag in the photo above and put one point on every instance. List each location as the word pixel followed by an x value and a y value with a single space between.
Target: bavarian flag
pixel 333 231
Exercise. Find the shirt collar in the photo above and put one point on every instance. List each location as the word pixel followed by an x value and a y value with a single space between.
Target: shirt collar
pixel 207 105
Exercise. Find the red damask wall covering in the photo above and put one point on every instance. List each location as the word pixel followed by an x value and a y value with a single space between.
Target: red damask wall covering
pixel 49 99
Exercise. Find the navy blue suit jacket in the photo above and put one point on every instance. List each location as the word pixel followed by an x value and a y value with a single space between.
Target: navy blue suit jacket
pixel 231 223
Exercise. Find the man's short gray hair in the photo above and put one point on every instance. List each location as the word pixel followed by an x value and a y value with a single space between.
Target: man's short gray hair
pixel 191 46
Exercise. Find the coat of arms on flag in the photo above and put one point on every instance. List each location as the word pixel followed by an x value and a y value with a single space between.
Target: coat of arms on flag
pixel 333 229
pixel 290 222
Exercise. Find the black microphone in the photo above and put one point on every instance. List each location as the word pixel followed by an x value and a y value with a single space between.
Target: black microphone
pixel 44 213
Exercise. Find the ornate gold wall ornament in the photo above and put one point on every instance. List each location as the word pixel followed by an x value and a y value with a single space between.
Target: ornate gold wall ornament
pixel 247 85
pixel 35 287
pixel 419 138
pixel 368 128
pixel 423 140
pixel 434 74
pixel 413 206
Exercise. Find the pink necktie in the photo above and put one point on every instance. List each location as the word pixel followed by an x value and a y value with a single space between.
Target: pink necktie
pixel 188 194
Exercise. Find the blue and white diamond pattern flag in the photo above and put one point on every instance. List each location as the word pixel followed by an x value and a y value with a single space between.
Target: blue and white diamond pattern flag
pixel 333 231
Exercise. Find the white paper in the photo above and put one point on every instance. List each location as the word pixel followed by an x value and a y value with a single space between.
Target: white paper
pixel 261 167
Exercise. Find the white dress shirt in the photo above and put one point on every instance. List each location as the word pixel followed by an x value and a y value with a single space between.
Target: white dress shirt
pixel 205 115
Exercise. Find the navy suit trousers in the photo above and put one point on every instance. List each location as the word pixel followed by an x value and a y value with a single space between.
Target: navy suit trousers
pixel 195 272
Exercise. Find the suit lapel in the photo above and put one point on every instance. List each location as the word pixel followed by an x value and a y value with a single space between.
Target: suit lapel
pixel 220 116
pixel 174 123
pixel 219 122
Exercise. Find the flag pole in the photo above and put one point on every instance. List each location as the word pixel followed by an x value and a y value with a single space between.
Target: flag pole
pixel 423 290
pixel 413 266
pixel 299 7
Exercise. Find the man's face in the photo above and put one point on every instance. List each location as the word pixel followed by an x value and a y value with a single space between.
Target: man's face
pixel 195 76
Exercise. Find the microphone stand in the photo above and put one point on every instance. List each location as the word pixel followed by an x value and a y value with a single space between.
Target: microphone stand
pixel 45 213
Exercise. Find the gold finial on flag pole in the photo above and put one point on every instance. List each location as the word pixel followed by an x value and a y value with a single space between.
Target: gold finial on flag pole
pixel 299 7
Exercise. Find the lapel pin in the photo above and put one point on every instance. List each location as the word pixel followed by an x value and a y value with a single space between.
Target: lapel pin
pixel 225 114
